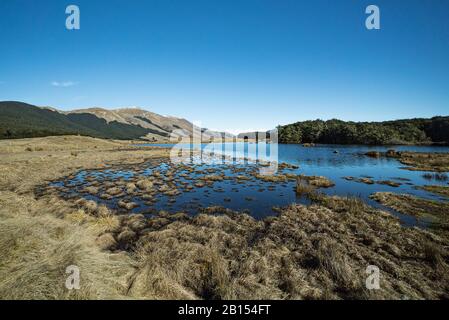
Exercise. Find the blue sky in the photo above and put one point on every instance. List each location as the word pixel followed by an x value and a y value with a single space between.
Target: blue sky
pixel 233 65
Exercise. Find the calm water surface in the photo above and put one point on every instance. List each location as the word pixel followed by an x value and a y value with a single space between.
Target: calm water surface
pixel 258 197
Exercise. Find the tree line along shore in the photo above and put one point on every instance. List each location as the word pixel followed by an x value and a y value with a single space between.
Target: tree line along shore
pixel 413 131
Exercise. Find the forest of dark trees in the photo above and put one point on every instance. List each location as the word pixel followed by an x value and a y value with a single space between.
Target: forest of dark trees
pixel 413 131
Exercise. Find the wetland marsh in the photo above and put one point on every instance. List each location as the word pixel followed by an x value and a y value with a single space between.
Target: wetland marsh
pixel 124 214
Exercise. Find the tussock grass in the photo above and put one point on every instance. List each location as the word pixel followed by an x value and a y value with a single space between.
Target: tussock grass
pixel 39 239
pixel 411 205
pixel 422 161
pixel 316 252
pixel 303 187
pixel 38 247
pixel 308 184
pixel 441 190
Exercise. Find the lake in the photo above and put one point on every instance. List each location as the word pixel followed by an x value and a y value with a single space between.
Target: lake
pixel 258 197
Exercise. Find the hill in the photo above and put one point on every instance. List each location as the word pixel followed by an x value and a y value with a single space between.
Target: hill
pixel 21 120
pixel 158 124
pixel 410 131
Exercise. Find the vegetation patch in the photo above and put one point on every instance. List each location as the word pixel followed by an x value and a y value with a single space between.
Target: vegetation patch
pixel 316 181
pixel 421 161
pixel 360 180
pixel 441 190
pixel 307 252
pixel 389 183
pixel 436 211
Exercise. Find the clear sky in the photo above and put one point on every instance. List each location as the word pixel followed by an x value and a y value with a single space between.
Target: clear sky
pixel 233 65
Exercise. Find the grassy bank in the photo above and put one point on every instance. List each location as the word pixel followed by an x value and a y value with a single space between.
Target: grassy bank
pixel 417 161
pixel 433 211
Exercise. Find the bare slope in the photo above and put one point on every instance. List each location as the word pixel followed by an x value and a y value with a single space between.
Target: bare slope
pixel 21 120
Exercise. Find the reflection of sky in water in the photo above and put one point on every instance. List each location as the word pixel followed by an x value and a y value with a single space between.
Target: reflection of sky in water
pixel 334 162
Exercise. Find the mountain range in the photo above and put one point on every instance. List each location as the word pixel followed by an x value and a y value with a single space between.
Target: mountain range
pixel 21 120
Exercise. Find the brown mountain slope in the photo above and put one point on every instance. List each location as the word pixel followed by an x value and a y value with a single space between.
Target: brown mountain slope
pixel 164 125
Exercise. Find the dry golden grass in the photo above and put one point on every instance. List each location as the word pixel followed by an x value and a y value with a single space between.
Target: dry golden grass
pixel 436 213
pixel 21 170
pixel 417 161
pixel 422 161
pixel 313 181
pixel 316 252
pixel 441 190
pixel 58 143
pixel 40 238
pixel 37 247
pixel 414 206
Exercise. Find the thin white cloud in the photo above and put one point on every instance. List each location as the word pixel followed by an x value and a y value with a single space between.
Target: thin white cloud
pixel 64 84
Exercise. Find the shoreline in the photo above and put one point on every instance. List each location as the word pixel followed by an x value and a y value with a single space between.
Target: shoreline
pixel 433 144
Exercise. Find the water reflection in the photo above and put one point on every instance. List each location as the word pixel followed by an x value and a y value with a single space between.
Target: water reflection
pixel 253 195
